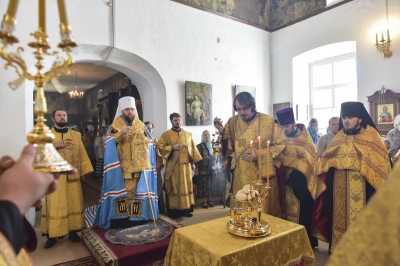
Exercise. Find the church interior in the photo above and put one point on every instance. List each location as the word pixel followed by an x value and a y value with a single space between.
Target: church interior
pixel 153 50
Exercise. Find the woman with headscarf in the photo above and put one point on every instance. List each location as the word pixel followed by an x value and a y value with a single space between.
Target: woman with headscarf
pixel 203 170
pixel 313 130
pixel 394 137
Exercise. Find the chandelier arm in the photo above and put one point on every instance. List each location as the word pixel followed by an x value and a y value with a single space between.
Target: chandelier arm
pixel 15 61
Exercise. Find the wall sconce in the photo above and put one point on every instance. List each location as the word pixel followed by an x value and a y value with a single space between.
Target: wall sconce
pixel 383 45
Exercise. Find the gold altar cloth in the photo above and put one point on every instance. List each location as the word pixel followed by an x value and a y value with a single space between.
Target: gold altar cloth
pixel 209 243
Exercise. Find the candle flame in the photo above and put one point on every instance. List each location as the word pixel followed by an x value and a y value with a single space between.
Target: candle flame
pixel 251 142
pixel 259 138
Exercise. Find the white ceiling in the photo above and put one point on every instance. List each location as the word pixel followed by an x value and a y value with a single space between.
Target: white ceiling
pixel 89 75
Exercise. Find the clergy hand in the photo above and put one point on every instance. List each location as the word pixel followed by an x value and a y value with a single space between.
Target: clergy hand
pixel 218 124
pixel 21 184
pixel 176 147
pixel 246 157
pixel 60 144
pixel 126 129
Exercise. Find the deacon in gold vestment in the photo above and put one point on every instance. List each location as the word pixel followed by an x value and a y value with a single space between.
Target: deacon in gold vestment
pixel 355 165
pixel 177 148
pixel 62 212
pixel 240 129
pixel 300 167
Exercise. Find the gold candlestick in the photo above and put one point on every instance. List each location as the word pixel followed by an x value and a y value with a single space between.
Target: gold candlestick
pixel 268 184
pixel 62 12
pixel 47 158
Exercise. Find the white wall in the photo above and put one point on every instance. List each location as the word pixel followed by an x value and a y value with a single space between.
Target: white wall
pixel 358 21
pixel 179 42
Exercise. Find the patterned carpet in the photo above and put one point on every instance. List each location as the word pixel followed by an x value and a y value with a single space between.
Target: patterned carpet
pixel 90 195
pixel 87 261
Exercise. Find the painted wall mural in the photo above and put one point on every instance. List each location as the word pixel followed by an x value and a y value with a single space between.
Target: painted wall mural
pixel 264 14
pixel 198 103
pixel 286 11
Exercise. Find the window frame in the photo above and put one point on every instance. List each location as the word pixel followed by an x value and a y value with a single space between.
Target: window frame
pixel 333 86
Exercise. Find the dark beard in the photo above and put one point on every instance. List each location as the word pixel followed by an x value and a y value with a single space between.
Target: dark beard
pixel 61 124
pixel 350 130
pixel 127 118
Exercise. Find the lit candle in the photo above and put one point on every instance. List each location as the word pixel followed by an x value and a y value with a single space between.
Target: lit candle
pixel 12 8
pixel 259 158
pixel 42 15
pixel 61 11
pixel 376 36
pixel 388 36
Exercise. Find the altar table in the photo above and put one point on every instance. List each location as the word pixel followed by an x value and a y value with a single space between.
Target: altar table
pixel 209 243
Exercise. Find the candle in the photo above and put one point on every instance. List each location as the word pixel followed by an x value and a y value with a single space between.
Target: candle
pixel 259 158
pixel 268 163
pixel 61 11
pixel 382 37
pixel 388 36
pixel 376 36
pixel 12 8
pixel 251 161
pixel 42 15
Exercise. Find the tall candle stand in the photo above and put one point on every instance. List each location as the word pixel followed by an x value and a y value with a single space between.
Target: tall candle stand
pixel 47 159
pixel 242 222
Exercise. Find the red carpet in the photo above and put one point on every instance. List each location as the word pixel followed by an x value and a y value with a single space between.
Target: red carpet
pixel 106 253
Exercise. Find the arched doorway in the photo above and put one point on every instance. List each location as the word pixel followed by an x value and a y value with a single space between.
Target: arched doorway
pixel 146 78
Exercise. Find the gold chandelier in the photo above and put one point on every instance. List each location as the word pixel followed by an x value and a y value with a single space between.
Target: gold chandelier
pixel 47 158
pixel 75 94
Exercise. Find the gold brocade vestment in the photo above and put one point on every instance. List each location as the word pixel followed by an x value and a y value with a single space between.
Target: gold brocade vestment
pixel 8 256
pixel 357 159
pixel 178 172
pixel 300 154
pixel 238 135
pixel 374 239
pixel 133 152
pixel 62 211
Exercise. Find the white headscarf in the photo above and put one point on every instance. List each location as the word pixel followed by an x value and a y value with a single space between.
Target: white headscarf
pixel 125 102
pixel 208 143
pixel 397 122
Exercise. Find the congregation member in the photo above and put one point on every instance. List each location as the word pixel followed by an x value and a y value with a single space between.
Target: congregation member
pixel 177 149
pixel 300 167
pixel 237 133
pixel 21 187
pixel 323 141
pixel 313 130
pixel 129 138
pixel 160 191
pixel 394 137
pixel 203 171
pixel 99 143
pixel 62 212
pixel 354 166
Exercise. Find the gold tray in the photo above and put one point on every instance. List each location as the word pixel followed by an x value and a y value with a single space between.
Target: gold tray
pixel 253 232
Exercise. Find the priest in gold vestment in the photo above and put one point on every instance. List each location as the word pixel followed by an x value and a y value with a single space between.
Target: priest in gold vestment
pixel 62 212
pixel 300 167
pixel 250 125
pixel 354 166
pixel 374 239
pixel 177 148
